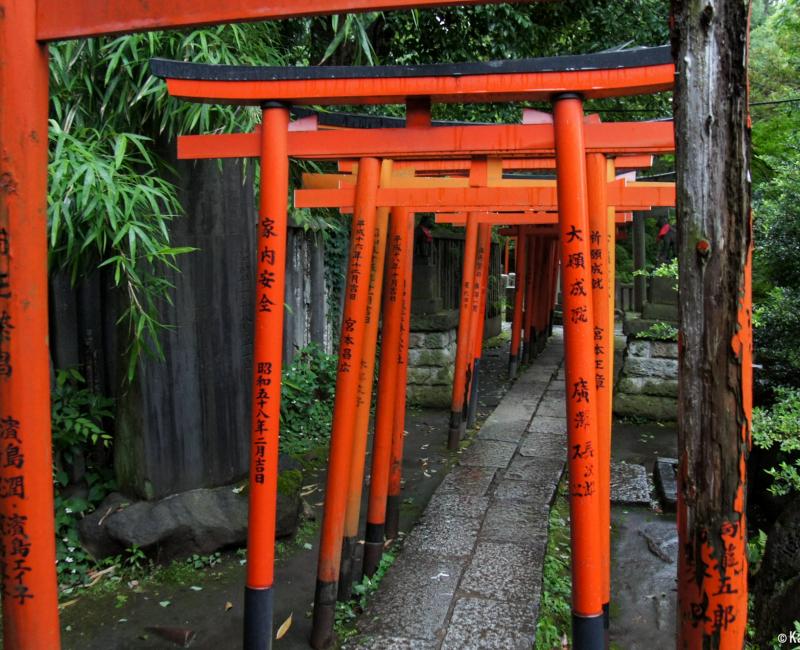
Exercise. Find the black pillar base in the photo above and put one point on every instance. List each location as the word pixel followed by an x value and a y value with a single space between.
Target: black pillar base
pixel 392 516
pixel 258 608
pixel 322 623
pixel 588 632
pixel 513 366
pixel 607 624
pixel 345 588
pixel 472 408
pixel 454 434
pixel 373 548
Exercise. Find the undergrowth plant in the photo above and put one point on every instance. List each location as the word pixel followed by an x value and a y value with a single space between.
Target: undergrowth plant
pixel 778 428
pixel 307 390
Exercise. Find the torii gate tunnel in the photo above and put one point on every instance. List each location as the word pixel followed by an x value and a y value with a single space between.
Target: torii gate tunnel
pixel 578 149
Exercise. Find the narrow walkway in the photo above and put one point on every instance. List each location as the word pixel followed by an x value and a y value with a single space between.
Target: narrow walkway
pixel 470 573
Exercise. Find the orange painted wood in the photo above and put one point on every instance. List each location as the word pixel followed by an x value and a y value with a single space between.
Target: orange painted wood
pixel 579 359
pixel 480 88
pixel 64 19
pixel 521 140
pixel 27 547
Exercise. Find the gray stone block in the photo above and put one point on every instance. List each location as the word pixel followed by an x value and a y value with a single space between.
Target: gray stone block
pixel 665 349
pixel 437 358
pixel 651 368
pixel 639 348
pixel 531 469
pixel 489 453
pixel 548 424
pixel 473 481
pixel 480 624
pixel 431 340
pixel 441 321
pixel 635 326
pixel 504 571
pixel 646 406
pixel 511 431
pixel 663 291
pixel 414 598
pixel 545 446
pixel 456 505
pixel 514 521
pixel 646 386
pixel 429 396
pixel 443 535
pixel 549 407
pixel 381 642
pixel 630 484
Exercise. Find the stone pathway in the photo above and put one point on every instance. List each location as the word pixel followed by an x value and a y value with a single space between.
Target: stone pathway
pixel 470 573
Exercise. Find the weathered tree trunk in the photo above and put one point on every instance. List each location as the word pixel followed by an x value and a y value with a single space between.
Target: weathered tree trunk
pixel 714 235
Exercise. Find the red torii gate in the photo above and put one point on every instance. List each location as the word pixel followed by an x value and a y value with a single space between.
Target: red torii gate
pixel 560 78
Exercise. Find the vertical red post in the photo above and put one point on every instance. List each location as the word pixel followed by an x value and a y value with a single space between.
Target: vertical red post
pixel 267 357
pixel 587 606
pixel 553 286
pixel 597 170
pixel 398 429
pixel 480 294
pixel 27 547
pixel 365 381
pixel 463 350
pixel 391 324
pixel 351 347
pixel 520 280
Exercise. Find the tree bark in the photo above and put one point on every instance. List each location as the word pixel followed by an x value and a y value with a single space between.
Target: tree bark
pixel 714 236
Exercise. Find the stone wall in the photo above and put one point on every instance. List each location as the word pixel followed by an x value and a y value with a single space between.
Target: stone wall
pixel 431 356
pixel 648 384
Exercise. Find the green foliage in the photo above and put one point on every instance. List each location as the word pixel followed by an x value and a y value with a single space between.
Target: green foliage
pixel 307 389
pixel 348 611
pixel 110 203
pixel 659 331
pixel 79 435
pixel 555 612
pixel 779 428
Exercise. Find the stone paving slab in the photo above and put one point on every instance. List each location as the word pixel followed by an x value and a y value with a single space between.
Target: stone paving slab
pixel 544 445
pixel 443 536
pixel 630 484
pixel 489 453
pixel 414 598
pixel 513 521
pixel 470 573
pixel 504 571
pixel 474 481
pixel 479 623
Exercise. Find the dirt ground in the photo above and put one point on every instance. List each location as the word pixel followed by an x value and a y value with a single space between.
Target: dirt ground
pixel 207 604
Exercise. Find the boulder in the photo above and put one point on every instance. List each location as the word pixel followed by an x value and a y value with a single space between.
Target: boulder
pixel 198 521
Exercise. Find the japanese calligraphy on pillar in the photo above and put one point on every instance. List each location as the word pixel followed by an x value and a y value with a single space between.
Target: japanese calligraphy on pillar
pixel 475 290
pixel 577 294
pixel 267 301
pixel 358 266
pixel 715 578
pixel 14 551
pixel 371 304
pixel 599 267
pixel 6 326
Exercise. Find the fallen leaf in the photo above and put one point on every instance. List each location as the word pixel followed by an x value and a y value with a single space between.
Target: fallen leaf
pixel 180 636
pixel 284 628
pixel 68 603
pixel 195 588
pixel 228 606
pixel 307 546
pixel 164 603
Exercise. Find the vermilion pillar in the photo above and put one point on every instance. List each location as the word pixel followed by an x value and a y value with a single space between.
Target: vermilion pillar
pixel 587 606
pixel 520 279
pixel 597 172
pixel 398 247
pixel 463 349
pixel 27 546
pixel 267 358
pixel 351 347
pixel 365 381
pixel 480 293
pixel 398 430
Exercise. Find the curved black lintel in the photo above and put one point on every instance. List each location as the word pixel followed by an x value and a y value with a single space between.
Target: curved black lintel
pixel 632 58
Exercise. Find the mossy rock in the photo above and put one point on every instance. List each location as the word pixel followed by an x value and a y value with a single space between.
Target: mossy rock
pixel 290 482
